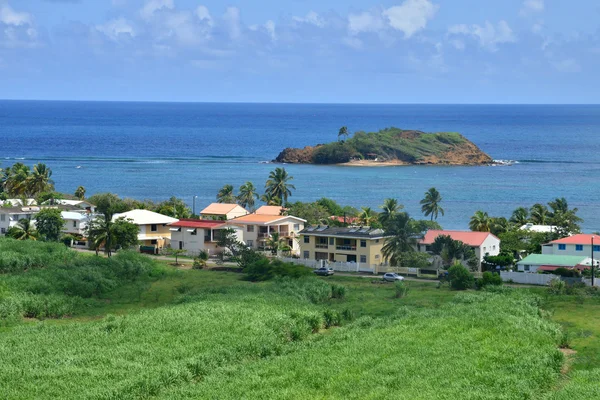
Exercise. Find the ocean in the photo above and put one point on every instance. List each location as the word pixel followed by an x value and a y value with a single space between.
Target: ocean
pixel 157 150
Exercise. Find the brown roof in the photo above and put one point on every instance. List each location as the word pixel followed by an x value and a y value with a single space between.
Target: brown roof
pixel 198 223
pixel 219 208
pixel 262 219
pixel 270 210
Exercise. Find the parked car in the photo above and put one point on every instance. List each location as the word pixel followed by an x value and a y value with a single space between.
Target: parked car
pixel 392 276
pixel 324 271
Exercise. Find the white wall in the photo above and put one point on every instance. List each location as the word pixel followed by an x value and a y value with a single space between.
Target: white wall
pixel 529 279
pixel 570 250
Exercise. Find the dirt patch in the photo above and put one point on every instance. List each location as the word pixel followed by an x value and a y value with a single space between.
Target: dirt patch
pixel 569 358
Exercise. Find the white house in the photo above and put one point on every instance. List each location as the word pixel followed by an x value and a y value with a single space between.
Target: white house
pixel 154 227
pixel 76 222
pixel 483 243
pixel 10 216
pixel 196 235
pixel 576 245
pixel 550 262
pixel 257 229
pixel 223 211
pixel 76 204
pixel 538 228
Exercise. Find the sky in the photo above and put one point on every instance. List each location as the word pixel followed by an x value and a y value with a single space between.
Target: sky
pixel 305 51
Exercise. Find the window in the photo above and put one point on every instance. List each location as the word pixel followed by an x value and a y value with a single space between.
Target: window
pixel 332 241
pixel 596 248
pixel 376 240
pixel 494 247
pixel 377 256
pixel 321 256
pixel 578 247
pixel 74 224
pixel 250 243
pixel 306 239
pixel 527 268
pixel 296 227
pixel 484 249
pixel 562 246
pixel 363 259
pixel 306 255
pixel 363 243
pixel 194 232
pixel 2 217
pixel 153 242
pixel 153 228
pixel 250 228
pixel 3 230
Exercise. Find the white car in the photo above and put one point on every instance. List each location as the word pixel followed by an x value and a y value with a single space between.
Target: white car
pixel 392 276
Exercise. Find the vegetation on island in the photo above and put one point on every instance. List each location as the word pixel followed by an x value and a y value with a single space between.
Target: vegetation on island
pixel 391 144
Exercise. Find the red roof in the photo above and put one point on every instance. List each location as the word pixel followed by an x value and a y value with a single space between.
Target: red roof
pixel 581 238
pixel 473 239
pixel 554 268
pixel 198 223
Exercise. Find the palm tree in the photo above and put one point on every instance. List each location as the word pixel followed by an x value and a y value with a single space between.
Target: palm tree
pixel 247 197
pixel 269 200
pixel 24 230
pixel 40 180
pixel 539 214
pixel 226 195
pixel 274 242
pixel 99 233
pixel 367 217
pixel 480 222
pixel 343 132
pixel 390 208
pixel 80 193
pixel 520 216
pixel 15 181
pixel 402 238
pixel 277 185
pixel 430 205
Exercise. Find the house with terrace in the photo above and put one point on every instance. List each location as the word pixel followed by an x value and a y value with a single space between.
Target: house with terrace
pixel 196 235
pixel 258 229
pixel 223 211
pixel 154 228
pixel 580 245
pixel 361 245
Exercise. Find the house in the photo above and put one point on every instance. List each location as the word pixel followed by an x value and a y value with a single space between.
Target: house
pixel 538 228
pixel 270 210
pixel 257 229
pixel 550 262
pixel 483 243
pixel 223 211
pixel 76 223
pixel 10 216
pixel 196 235
pixel 79 204
pixel 154 227
pixel 344 220
pixel 359 244
pixel 576 245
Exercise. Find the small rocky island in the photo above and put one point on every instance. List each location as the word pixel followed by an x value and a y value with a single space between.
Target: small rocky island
pixel 391 146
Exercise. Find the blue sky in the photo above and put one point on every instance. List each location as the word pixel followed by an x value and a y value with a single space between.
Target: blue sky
pixel 358 51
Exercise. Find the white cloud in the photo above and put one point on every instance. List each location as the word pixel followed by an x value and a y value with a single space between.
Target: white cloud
pixel 411 16
pixel 568 65
pixel 311 18
pixel 116 29
pixel 9 16
pixel 365 22
pixel 232 19
pixel 203 15
pixel 488 35
pixel 270 27
pixel 151 6
pixel 532 7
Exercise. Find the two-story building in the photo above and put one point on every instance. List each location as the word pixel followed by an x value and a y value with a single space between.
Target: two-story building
pixel 223 211
pixel 354 244
pixel 76 223
pixel 258 228
pixel 154 227
pixel 10 216
pixel 196 235
pixel 483 243
pixel 577 245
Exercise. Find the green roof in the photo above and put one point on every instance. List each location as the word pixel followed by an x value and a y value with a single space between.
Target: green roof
pixel 552 259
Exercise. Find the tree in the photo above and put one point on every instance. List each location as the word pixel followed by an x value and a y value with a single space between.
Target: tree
pixel 430 205
pixel 171 252
pixel 274 243
pixel 15 180
pixel 367 217
pixel 390 208
pixel 450 250
pixel 539 214
pixel 269 200
pixel 49 223
pixel 402 238
pixel 226 195
pixel 24 230
pixel 565 219
pixel 50 197
pixel 228 240
pixel 520 216
pixel 40 180
pixel 313 213
pixel 120 234
pixel 175 208
pixel 480 222
pixel 247 197
pixel 499 225
pixel 424 225
pixel 460 277
pixel 125 233
pixel 201 261
pixel 108 204
pixel 278 185
pixel 343 132
pixel 80 193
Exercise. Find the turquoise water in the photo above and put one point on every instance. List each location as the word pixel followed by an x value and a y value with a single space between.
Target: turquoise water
pixel 155 150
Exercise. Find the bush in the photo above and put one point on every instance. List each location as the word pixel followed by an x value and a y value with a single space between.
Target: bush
pixel 557 287
pixel 489 279
pixel 401 288
pixel 311 289
pixel 460 277
pixel 338 291
pixel 265 269
pixel 567 273
pixel 332 318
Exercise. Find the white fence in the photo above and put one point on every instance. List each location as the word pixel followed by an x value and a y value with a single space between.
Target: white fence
pixel 527 278
pixel 588 282
pixel 337 266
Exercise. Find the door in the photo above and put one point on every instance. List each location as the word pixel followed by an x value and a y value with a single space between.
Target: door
pixel 180 245
pixel 351 258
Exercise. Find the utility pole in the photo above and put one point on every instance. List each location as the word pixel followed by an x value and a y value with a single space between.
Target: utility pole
pixel 592 260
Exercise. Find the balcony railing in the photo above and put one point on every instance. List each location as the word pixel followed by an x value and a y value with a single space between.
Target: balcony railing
pixel 263 235
pixel 321 246
pixel 347 248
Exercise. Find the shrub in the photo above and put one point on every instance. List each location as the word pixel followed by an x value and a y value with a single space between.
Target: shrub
pixel 489 279
pixel 401 289
pixel 200 262
pixel 460 277
pixel 311 289
pixel 557 287
pixel 265 269
pixel 338 291
pixel 567 273
pixel 332 318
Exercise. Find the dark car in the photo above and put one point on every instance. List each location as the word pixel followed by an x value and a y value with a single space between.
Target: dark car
pixel 324 271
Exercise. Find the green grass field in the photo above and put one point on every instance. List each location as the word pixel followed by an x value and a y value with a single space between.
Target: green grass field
pixel 157 332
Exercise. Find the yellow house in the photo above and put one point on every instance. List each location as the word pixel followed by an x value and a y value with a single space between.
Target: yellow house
pixel 154 227
pixel 359 244
pixel 223 211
